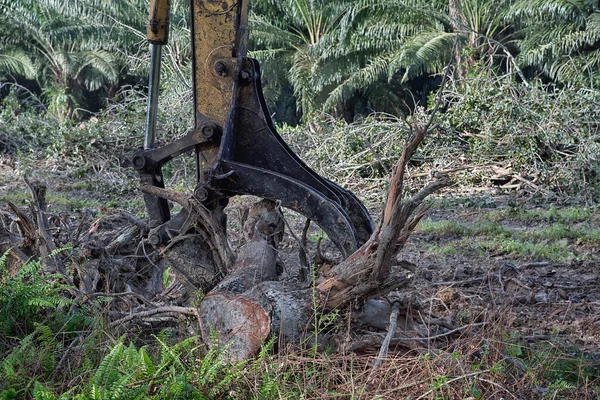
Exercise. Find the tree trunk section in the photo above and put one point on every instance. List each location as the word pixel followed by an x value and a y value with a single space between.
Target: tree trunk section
pixel 249 305
pixel 459 26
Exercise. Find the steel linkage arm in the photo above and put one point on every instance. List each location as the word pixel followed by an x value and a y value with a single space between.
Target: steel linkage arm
pixel 237 146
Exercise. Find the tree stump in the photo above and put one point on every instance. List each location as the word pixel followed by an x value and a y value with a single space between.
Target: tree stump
pixel 250 304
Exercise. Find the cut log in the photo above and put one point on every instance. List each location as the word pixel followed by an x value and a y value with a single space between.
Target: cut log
pixel 291 309
pixel 249 304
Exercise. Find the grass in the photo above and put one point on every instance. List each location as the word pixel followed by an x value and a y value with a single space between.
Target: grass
pixel 478 365
pixel 556 252
pixel 560 231
pixel 19 197
pixel 68 201
pixel 54 199
pixel 560 215
pixel 552 234
pixel 444 250
pixel 71 202
pixel 451 227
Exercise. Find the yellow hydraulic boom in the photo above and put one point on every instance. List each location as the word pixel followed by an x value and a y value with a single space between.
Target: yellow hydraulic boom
pixel 237 147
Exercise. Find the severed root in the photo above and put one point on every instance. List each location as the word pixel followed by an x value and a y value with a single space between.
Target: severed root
pixel 206 224
pixel 386 342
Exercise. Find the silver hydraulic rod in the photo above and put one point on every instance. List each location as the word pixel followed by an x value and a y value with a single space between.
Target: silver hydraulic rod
pixel 153 84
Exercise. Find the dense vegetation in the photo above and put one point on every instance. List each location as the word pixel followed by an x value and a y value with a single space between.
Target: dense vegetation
pixel 334 56
pixel 345 79
pixel 74 60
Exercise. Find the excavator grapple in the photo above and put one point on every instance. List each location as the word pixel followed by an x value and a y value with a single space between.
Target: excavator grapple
pixel 238 150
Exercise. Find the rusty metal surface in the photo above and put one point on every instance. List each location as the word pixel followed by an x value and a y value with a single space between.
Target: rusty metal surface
pixel 216 36
pixel 216 40
pixel 158 22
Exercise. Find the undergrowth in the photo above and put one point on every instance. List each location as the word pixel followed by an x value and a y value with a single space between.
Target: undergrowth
pixel 56 345
pixel 547 136
pixel 29 295
pixel 63 350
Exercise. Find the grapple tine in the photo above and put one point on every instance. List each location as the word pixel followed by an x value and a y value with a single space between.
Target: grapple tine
pixel 263 165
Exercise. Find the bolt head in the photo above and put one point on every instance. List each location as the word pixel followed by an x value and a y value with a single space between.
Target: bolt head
pixel 138 161
pixel 208 130
pixel 201 193
pixel 155 239
pixel 221 68
pixel 245 75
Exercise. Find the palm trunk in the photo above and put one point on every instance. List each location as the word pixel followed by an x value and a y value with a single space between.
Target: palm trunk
pixel 459 25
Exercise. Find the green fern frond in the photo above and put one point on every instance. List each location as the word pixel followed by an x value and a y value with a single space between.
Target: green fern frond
pixel 147 368
pixel 95 392
pixel 107 373
pixel 118 388
pixel 3 259
pixel 40 392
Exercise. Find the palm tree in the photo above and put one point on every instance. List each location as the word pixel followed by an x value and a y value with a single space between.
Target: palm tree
pixel 63 47
pixel 403 40
pixel 559 38
pixel 75 47
pixel 369 51
pixel 290 37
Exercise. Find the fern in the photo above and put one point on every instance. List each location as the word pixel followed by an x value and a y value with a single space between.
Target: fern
pixel 169 371
pixel 29 294
pixel 147 368
pixel 36 355
pixel 40 392
pixel 107 373
pixel 3 259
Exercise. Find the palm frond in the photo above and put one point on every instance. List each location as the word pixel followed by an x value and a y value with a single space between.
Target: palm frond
pixel 16 62
pixel 557 36
pixel 541 10
pixel 97 68
pixel 425 53
pixel 375 69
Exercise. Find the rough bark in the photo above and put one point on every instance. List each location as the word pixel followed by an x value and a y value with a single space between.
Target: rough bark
pixel 192 261
pixel 249 305
pixel 369 271
pixel 207 223
pixel 33 236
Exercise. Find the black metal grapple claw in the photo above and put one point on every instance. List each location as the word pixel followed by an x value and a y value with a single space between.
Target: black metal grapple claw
pixel 237 146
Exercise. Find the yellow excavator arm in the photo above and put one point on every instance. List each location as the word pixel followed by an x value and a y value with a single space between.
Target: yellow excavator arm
pixel 237 146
